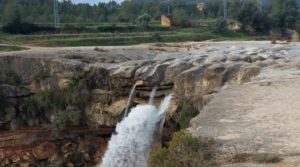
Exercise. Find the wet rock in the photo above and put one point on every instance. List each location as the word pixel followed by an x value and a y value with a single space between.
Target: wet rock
pixel 44 150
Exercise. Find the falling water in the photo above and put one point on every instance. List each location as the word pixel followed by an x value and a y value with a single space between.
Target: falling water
pixel 129 100
pixel 163 108
pixel 130 146
pixel 152 95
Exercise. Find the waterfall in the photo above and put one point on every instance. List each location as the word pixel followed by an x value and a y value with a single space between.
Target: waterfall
pixel 152 95
pixel 131 144
pixel 129 100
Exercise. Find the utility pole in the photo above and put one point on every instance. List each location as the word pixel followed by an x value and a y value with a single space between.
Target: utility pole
pixel 259 5
pixel 225 8
pixel 56 15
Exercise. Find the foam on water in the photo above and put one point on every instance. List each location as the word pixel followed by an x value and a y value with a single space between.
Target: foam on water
pixel 131 144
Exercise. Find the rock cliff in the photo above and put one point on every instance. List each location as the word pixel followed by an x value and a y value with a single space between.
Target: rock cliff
pixel 54 93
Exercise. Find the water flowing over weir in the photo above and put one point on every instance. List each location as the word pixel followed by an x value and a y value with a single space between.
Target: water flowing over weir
pixel 129 100
pixel 131 144
pixel 152 95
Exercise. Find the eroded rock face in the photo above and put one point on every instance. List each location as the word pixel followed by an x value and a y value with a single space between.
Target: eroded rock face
pixel 191 71
pixel 96 84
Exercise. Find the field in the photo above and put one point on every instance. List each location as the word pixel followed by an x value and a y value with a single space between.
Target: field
pixel 119 34
pixel 7 48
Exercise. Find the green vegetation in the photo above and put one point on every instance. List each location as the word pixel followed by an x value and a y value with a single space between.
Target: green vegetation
pixel 7 48
pixel 257 158
pixel 132 23
pixel 13 78
pixel 266 158
pixel 185 115
pixel 39 76
pixel 106 39
pixel 64 103
pixel 185 150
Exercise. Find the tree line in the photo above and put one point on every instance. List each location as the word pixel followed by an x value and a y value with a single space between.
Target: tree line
pixel 276 14
pixel 41 11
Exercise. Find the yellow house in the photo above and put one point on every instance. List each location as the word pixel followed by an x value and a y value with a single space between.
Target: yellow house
pixel 166 21
pixel 200 6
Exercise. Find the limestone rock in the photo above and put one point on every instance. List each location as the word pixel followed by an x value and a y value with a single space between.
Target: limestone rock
pixel 44 150
pixel 246 74
pixel 212 78
pixel 106 115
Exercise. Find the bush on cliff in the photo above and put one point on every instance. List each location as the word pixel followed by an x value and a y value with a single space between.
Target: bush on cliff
pixel 65 104
pixel 186 114
pixel 185 150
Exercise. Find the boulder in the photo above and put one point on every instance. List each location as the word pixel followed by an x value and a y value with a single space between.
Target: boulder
pixel 44 150
pixel 246 74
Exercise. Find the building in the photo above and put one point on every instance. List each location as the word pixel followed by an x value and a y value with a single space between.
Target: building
pixel 166 21
pixel 200 6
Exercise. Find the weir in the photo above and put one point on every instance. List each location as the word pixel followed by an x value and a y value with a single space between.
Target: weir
pixel 131 144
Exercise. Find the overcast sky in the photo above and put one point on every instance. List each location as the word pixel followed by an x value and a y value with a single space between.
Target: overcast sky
pixel 92 1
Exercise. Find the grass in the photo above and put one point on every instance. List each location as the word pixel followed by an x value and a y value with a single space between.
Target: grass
pixel 185 150
pixel 8 48
pixel 153 35
pixel 256 158
pixel 184 117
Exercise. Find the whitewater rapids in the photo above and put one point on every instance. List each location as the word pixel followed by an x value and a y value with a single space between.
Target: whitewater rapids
pixel 131 144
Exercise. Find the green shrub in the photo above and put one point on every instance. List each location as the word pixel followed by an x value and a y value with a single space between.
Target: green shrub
pixel 180 18
pixel 266 158
pixel 117 28
pixel 7 48
pixel 67 104
pixel 185 151
pixel 13 78
pixel 39 76
pixel 220 26
pixel 24 28
pixel 257 158
pixel 186 114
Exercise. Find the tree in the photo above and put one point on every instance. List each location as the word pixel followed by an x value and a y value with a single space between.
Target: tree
pixel 180 18
pixel 284 13
pixel 129 11
pixel 213 9
pixel 220 26
pixel 245 15
pixel 13 12
pixel 144 20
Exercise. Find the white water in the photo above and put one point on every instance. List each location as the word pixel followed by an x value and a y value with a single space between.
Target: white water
pixel 129 100
pixel 152 95
pixel 130 146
